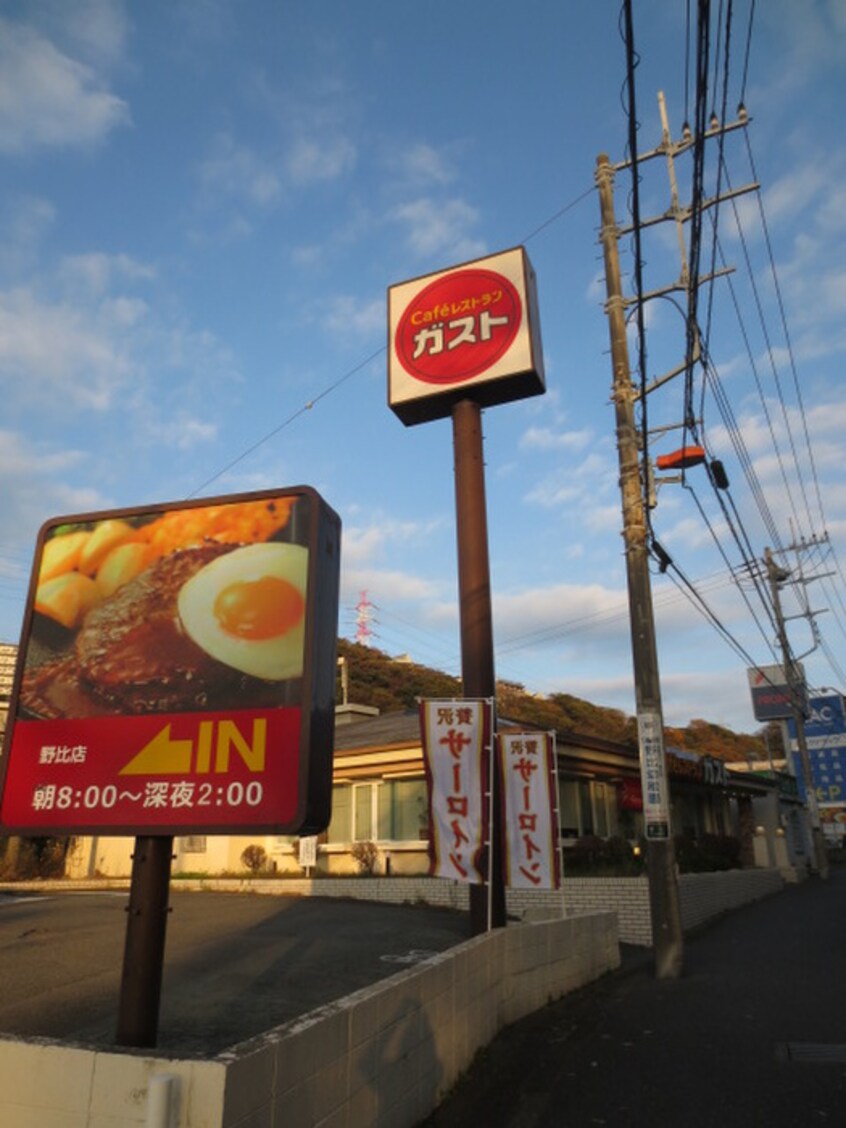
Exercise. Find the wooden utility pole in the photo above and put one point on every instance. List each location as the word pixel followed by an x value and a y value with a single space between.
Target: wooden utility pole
pixel 777 577
pixel 667 939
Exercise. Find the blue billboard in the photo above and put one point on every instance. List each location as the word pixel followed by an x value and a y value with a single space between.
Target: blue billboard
pixel 825 736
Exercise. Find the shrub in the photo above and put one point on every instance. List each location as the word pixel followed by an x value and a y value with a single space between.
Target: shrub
pixel 606 857
pixel 254 858
pixel 34 857
pixel 707 853
pixel 366 854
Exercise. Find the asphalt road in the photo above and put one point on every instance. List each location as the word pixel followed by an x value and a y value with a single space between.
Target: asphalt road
pixel 236 965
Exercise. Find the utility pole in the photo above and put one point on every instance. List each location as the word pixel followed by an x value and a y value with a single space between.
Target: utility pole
pixel 777 576
pixel 667 939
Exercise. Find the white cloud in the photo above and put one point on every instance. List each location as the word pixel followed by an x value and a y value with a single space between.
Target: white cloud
pixel 603 518
pixel 34 486
pixel 549 614
pixel 794 193
pixel 434 226
pixel 423 162
pixel 187 433
pixel 123 313
pixel 235 171
pixel 56 355
pixel 545 438
pixel 364 544
pixel 347 314
pixel 403 586
pixel 97 272
pixel 311 161
pixel 553 492
pixel 98 27
pixel 22 229
pixel 420 164
pixel 49 99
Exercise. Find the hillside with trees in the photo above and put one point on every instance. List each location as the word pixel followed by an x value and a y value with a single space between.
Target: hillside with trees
pixel 396 684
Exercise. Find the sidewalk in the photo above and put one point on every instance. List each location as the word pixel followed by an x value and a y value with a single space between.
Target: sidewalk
pixel 753 1033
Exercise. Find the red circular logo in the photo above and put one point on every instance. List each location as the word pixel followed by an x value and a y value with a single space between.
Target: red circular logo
pixel 458 326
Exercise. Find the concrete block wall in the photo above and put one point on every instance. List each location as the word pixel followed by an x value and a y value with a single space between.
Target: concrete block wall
pixel 703 896
pixel 382 1057
pixel 627 896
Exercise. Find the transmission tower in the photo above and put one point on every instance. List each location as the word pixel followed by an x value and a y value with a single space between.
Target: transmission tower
pixel 363 617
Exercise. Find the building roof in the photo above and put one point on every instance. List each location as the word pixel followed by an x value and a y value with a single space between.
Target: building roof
pixel 386 730
pixel 578 754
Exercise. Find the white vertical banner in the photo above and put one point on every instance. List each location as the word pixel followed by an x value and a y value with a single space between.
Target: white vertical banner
pixel 653 775
pixel 526 765
pixel 456 737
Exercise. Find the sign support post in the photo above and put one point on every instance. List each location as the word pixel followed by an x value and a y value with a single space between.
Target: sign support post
pixel 143 956
pixel 474 595
pixel 462 339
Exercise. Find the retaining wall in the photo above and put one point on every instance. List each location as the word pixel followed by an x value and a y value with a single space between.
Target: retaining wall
pixel 702 896
pixel 384 1056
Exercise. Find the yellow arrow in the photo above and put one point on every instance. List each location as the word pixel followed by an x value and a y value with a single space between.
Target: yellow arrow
pixel 161 756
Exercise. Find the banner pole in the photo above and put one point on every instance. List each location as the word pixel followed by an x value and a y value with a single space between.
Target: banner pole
pixel 491 836
pixel 559 846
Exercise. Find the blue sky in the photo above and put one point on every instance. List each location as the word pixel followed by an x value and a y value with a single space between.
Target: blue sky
pixel 204 203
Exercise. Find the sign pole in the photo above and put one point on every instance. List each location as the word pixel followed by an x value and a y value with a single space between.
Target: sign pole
pixel 492 768
pixel 474 597
pixel 143 957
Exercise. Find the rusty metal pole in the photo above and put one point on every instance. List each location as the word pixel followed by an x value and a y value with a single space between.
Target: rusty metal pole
pixel 667 938
pixel 143 956
pixel 474 597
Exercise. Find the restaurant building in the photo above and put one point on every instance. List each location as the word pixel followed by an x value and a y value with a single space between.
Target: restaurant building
pixel 380 811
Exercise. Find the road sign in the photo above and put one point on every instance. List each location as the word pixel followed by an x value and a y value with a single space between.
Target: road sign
pixel 771 695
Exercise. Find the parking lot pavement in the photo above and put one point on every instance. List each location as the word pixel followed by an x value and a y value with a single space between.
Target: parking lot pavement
pixel 236 965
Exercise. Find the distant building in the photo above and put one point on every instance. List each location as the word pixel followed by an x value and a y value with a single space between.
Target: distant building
pixel 8 658
pixel 379 796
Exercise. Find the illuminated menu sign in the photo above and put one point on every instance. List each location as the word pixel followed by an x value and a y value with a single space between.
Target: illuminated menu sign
pixel 176 671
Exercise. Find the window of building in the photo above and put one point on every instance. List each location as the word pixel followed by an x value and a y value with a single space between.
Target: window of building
pixel 340 826
pixel 600 809
pixel 403 815
pixel 568 806
pixel 585 807
pixel 393 810
pixel 365 812
pixel 194 844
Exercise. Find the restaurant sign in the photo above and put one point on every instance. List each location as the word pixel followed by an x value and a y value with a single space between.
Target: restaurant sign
pixel 176 671
pixel 472 331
